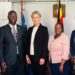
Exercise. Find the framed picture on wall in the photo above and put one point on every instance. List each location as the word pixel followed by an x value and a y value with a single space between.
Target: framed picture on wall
pixel 55 10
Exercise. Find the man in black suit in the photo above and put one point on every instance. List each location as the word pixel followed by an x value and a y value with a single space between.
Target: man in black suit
pixel 12 46
pixel 72 46
pixel 37 40
pixel 72 49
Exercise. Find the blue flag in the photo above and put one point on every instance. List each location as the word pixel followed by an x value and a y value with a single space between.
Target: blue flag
pixel 23 22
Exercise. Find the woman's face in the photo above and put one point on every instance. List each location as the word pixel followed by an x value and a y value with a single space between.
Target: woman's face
pixel 58 29
pixel 36 19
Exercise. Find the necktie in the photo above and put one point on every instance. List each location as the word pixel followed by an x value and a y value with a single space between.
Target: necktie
pixel 15 33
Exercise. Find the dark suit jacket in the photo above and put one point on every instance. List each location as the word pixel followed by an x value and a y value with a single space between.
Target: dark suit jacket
pixel 72 44
pixel 40 42
pixel 8 44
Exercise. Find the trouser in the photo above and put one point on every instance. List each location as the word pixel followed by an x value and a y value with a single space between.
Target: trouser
pixel 16 69
pixel 37 69
pixel 55 68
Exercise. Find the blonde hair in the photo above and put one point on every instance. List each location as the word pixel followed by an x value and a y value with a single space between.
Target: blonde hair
pixel 36 12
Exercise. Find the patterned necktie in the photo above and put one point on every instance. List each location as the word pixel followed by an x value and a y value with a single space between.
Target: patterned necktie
pixel 15 33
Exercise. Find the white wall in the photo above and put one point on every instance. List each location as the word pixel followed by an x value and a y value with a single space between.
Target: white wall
pixel 5 7
pixel 46 10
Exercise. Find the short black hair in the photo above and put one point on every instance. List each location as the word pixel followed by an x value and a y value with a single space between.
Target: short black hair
pixel 11 12
pixel 60 25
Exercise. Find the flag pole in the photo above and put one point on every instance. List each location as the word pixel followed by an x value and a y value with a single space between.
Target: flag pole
pixel 60 14
pixel 21 10
pixel 58 4
pixel 58 11
pixel 22 15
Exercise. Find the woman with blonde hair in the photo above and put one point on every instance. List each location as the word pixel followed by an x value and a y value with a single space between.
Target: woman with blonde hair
pixel 37 40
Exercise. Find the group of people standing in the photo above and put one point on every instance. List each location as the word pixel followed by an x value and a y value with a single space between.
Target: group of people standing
pixel 20 47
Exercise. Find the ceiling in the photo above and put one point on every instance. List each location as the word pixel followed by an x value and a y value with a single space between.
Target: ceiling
pixel 35 0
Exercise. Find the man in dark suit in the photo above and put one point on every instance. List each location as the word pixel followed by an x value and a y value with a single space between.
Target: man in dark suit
pixel 72 48
pixel 12 46
pixel 37 40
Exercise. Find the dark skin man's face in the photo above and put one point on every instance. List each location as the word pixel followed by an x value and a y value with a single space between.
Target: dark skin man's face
pixel 12 18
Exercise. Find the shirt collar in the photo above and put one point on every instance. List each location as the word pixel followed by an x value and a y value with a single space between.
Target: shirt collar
pixel 11 26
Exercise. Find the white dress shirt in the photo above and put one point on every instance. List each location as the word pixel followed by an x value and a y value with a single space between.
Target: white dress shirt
pixel 11 26
pixel 12 30
pixel 32 40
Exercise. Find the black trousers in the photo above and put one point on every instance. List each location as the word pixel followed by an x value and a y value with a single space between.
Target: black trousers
pixel 37 69
pixel 16 69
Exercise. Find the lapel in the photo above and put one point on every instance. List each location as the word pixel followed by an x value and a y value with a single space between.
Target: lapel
pixel 10 32
pixel 38 31
pixel 19 30
pixel 30 33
